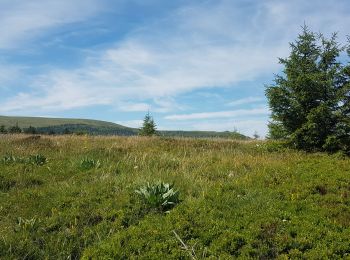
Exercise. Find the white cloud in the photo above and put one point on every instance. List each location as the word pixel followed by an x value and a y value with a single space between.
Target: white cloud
pixel 205 45
pixel 59 96
pixel 134 107
pixel 23 20
pixel 154 63
pixel 220 114
pixel 7 74
pixel 246 127
pixel 131 123
pixel 247 100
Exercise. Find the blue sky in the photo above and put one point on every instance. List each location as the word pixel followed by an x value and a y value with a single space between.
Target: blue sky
pixel 196 65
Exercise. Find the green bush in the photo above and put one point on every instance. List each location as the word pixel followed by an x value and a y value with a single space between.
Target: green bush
pixel 160 196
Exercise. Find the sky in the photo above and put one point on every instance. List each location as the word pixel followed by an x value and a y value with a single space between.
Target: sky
pixel 194 64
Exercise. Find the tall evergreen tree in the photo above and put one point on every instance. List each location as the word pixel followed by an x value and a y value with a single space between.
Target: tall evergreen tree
pixel 340 140
pixel 149 127
pixel 306 100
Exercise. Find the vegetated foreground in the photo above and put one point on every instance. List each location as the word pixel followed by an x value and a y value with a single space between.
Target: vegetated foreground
pixel 74 196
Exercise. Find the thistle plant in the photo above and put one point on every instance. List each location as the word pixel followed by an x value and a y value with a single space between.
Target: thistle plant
pixel 8 159
pixel 160 196
pixel 37 159
pixel 87 164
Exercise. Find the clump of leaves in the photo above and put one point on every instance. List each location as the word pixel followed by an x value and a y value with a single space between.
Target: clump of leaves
pixel 159 196
pixel 27 224
pixel 8 159
pixel 37 159
pixel 88 163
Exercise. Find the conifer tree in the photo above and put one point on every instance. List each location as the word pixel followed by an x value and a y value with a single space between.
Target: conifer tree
pixel 306 101
pixel 149 127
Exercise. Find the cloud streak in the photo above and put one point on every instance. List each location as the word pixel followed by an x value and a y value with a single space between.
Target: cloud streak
pixel 24 20
pixel 207 45
pixel 243 101
pixel 220 114
pixel 158 65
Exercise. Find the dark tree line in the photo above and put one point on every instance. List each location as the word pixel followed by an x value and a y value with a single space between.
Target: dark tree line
pixel 11 130
pixel 310 101
pixel 67 129
pixel 17 130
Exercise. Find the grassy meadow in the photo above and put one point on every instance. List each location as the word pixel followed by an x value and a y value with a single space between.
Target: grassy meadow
pixel 72 197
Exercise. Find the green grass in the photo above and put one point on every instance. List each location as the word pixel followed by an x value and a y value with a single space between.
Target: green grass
pixel 248 200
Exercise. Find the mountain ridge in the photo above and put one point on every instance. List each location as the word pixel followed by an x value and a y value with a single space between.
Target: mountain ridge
pixel 100 127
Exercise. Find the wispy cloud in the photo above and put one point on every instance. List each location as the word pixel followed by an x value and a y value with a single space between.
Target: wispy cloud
pixel 134 107
pixel 7 74
pixel 203 45
pixel 24 20
pixel 243 101
pixel 131 123
pixel 220 114
pixel 248 127
pixel 162 64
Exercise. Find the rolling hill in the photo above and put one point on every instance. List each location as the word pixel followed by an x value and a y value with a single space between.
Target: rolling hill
pixel 46 125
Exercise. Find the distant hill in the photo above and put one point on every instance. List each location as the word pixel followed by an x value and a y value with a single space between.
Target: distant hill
pixel 46 125
pixel 45 121
pixel 62 125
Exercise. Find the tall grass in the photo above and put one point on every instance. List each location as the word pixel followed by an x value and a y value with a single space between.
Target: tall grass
pixel 238 199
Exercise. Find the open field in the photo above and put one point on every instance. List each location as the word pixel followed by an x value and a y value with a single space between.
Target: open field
pixel 239 199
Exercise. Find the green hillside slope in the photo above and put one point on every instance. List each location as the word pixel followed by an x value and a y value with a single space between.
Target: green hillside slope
pixel 97 127
pixel 24 122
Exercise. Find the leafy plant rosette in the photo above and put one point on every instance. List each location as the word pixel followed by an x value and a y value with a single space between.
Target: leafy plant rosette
pixel 37 159
pixel 87 164
pixel 159 196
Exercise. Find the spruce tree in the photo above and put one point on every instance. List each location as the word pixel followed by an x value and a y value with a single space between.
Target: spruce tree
pixel 340 139
pixel 149 127
pixel 306 101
